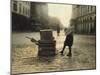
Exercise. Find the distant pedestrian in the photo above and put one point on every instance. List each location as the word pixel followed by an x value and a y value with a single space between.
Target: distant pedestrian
pixel 68 42
pixel 58 30
pixel 65 30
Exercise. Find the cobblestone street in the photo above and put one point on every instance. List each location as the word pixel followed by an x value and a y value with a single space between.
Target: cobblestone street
pixel 25 59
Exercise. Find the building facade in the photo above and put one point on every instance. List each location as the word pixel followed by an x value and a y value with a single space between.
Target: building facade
pixel 84 19
pixel 29 16
pixel 20 15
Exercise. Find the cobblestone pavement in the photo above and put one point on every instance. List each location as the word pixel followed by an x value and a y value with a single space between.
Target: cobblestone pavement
pixel 25 59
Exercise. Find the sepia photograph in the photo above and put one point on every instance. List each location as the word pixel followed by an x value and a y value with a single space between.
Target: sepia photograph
pixel 52 37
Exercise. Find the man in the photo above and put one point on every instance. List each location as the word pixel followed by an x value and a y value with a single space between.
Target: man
pixel 58 30
pixel 68 42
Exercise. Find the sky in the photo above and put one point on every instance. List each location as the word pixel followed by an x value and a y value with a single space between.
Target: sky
pixel 61 11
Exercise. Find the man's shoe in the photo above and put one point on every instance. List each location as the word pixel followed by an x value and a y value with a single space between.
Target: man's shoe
pixel 61 53
pixel 69 54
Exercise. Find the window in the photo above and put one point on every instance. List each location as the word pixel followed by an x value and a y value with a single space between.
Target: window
pixel 26 11
pixel 90 18
pixel 15 5
pixel 88 8
pixel 19 8
pixel 23 10
pixel 91 8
